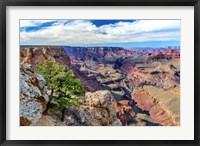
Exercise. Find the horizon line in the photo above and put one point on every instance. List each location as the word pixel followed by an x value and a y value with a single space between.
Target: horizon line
pixel 103 46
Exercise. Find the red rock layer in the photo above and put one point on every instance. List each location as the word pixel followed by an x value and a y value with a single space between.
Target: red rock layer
pixel 35 55
pixel 159 111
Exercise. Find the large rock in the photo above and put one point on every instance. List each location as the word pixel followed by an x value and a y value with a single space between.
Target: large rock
pixel 99 109
pixel 33 95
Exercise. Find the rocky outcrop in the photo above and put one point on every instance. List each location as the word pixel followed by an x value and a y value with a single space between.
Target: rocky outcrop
pixel 33 95
pixel 162 105
pixel 35 55
pixel 99 109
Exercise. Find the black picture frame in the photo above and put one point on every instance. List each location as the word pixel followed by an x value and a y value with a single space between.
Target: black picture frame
pixel 5 3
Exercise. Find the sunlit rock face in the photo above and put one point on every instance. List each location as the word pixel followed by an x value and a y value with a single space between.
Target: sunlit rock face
pixel 99 109
pixel 163 105
pixel 96 109
pixel 33 95
pixel 35 55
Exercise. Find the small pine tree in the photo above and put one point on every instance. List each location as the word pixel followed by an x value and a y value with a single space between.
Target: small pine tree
pixel 69 85
pixel 51 72
pixel 62 83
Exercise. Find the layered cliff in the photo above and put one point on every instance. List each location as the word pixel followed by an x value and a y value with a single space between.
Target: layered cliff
pixel 98 54
pixel 162 105
pixel 160 69
pixel 35 55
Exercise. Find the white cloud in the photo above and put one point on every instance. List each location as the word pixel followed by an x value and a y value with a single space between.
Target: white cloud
pixel 85 32
pixel 30 23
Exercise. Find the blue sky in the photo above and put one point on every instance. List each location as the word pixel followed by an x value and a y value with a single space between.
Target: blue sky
pixel 122 33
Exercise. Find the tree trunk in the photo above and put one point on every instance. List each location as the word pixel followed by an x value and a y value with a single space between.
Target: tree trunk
pixel 47 108
pixel 63 115
pixel 48 104
pixel 52 91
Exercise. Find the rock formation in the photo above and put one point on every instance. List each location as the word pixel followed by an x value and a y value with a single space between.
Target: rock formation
pixel 99 109
pixel 35 55
pixel 33 95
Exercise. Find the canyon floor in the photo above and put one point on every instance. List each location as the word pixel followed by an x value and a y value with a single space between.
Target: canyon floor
pixel 124 87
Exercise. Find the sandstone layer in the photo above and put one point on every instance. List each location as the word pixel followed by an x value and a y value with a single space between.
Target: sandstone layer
pixel 163 105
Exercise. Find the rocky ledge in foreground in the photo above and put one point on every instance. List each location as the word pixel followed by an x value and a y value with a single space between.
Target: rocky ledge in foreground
pixel 96 109
pixel 33 95
pixel 163 105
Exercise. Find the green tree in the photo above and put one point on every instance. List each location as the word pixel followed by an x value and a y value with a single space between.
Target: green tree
pixel 62 84
pixel 51 71
pixel 68 85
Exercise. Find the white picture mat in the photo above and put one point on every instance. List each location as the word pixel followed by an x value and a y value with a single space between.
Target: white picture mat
pixel 183 132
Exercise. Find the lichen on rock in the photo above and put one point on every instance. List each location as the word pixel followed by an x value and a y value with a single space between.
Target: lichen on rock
pixel 31 89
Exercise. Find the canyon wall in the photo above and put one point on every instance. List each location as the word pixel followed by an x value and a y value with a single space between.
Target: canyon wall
pixel 35 55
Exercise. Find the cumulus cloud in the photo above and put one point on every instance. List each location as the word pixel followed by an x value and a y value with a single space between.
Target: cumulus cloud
pixel 77 32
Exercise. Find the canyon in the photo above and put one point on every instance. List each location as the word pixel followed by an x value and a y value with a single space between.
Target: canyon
pixel 124 86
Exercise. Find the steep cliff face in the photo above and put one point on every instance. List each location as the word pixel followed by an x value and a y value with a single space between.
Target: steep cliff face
pixel 124 112
pixel 163 105
pixel 33 96
pixel 35 55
